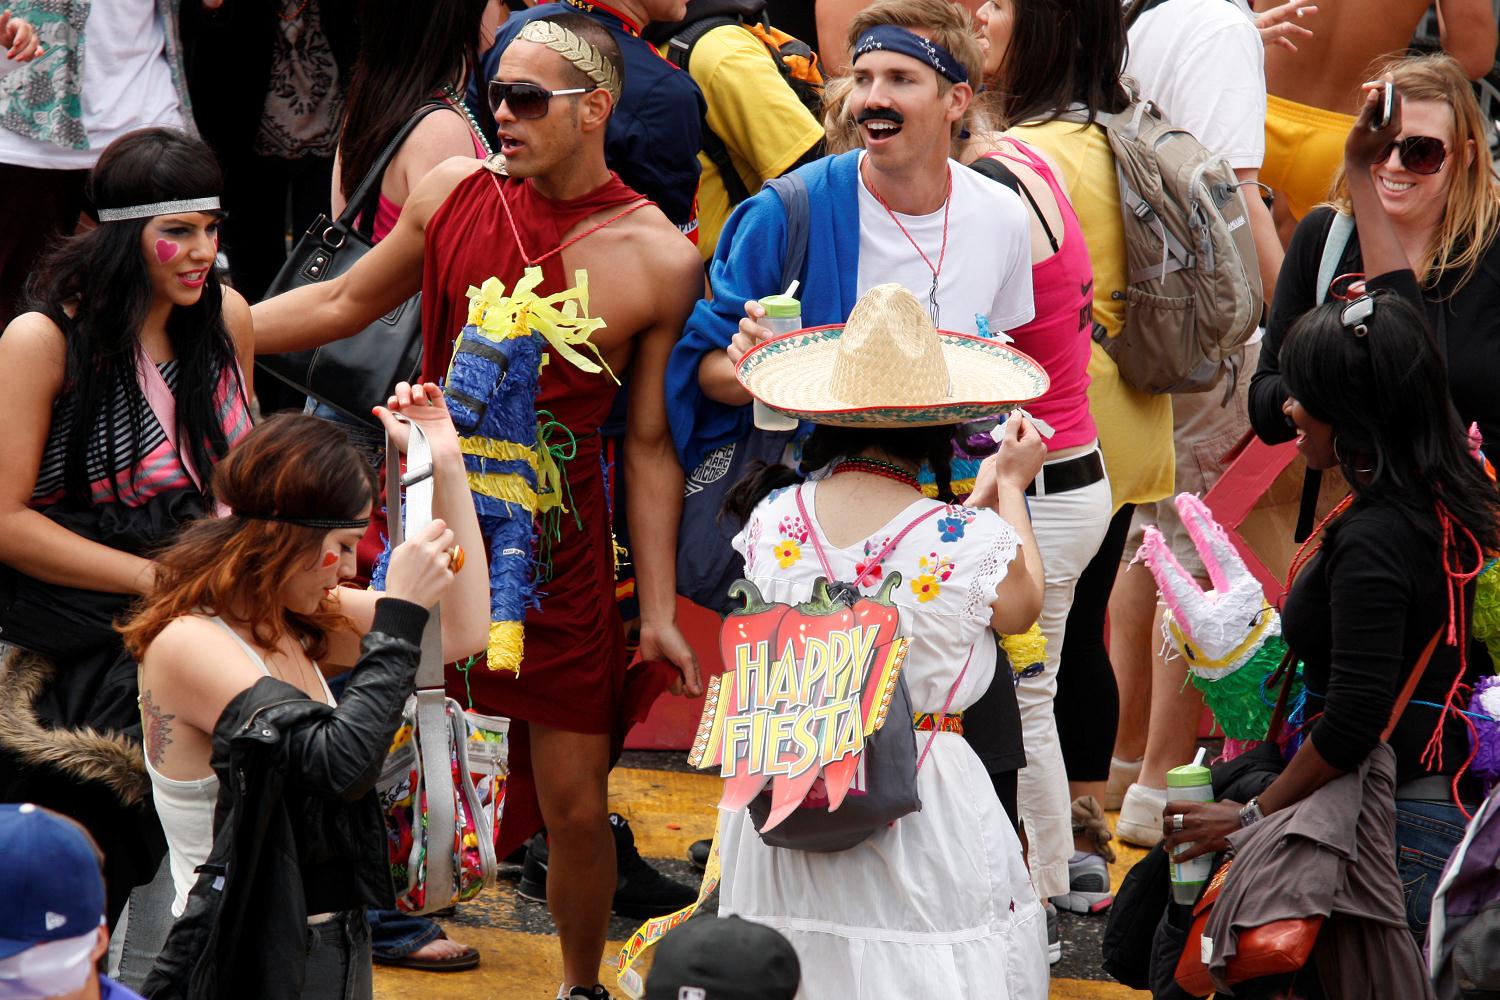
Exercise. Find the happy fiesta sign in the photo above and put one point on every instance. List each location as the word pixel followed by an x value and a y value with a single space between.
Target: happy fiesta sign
pixel 805 687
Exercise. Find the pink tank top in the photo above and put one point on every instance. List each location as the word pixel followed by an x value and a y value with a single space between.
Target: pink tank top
pixel 1059 338
pixel 387 211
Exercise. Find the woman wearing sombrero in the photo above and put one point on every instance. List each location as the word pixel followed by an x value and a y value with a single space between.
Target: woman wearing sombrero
pixel 939 903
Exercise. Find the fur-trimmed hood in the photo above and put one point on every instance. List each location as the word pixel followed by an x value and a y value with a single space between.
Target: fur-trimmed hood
pixel 111 759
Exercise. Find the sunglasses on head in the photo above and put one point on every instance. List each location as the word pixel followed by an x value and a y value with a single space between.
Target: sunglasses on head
pixel 1356 314
pixel 1421 154
pixel 527 100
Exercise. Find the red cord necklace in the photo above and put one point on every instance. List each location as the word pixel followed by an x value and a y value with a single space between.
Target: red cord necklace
pixel 515 231
pixel 932 303
pixel 877 467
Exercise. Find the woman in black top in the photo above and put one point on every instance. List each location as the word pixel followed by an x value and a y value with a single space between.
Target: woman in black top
pixel 1446 223
pixel 1365 390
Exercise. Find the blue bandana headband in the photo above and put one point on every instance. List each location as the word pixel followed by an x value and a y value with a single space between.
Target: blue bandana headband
pixel 889 38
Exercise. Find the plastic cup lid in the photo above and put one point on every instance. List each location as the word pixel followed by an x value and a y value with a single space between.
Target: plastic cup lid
pixel 1189 775
pixel 781 306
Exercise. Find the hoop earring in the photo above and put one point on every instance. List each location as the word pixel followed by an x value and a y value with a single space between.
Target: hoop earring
pixel 1345 462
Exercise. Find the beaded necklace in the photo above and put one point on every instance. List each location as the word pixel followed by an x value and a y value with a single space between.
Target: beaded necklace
pixel 458 105
pixel 878 467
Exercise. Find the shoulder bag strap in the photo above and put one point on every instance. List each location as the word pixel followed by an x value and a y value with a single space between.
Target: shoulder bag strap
pixel 1410 686
pixel 364 196
pixel 417 503
pixel 433 729
pixel 1288 669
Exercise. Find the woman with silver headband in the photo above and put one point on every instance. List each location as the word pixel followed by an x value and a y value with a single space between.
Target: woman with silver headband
pixel 124 385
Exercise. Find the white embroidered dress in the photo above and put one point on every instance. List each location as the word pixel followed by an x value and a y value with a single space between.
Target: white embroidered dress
pixel 940 904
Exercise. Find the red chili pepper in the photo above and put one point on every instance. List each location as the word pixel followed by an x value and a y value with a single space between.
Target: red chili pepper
pixel 753 626
pixel 880 612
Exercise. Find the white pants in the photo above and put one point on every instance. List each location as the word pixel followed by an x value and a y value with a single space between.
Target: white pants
pixel 1069 528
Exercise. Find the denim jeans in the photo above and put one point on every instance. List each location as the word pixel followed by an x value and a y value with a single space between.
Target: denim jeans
pixel 142 929
pixel 368 441
pixel 1426 835
pixel 394 934
pixel 338 959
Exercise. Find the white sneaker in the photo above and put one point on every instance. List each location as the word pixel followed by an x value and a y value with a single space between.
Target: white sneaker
pixel 1122 774
pixel 1140 815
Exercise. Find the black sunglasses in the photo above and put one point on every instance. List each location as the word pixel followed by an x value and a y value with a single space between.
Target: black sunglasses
pixel 1421 154
pixel 527 100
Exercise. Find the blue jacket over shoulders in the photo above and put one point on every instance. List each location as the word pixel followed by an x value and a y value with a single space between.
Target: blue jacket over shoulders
pixel 747 265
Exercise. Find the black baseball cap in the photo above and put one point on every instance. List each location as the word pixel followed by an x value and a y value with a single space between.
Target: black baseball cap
pixel 724 958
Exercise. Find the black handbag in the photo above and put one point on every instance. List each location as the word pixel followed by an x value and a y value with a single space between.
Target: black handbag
pixel 354 373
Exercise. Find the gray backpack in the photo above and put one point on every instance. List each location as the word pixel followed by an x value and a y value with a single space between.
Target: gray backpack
pixel 1193 295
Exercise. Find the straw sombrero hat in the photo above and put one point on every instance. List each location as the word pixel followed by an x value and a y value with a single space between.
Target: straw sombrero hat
pixel 888 366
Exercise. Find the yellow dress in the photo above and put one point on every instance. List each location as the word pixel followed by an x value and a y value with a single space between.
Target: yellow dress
pixel 1135 428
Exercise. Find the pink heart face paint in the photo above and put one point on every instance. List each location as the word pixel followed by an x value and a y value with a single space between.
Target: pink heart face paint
pixel 167 250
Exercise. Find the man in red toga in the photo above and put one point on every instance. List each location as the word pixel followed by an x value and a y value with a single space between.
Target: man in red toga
pixel 563 210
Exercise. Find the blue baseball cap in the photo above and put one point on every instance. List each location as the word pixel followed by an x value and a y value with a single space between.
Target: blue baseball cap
pixel 49 879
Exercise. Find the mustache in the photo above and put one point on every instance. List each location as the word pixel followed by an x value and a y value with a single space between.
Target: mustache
pixel 881 115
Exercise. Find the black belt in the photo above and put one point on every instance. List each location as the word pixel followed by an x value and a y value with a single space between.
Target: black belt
pixel 1069 474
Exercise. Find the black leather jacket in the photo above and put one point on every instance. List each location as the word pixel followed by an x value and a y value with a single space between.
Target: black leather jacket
pixel 297 829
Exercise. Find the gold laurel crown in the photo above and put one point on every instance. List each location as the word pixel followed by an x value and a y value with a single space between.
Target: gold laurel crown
pixel 583 55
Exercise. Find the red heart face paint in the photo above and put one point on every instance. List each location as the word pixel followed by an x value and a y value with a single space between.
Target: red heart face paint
pixel 329 558
pixel 167 250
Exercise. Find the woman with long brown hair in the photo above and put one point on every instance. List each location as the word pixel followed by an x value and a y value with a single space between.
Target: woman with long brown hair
pixel 246 619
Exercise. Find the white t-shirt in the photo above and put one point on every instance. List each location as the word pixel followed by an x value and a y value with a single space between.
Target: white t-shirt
pixel 1202 62
pixel 987 269
pixel 127 84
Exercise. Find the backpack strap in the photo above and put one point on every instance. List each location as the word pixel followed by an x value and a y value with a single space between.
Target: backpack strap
pixel 680 54
pixel 991 167
pixel 947 704
pixel 870 564
pixel 792 190
pixel 1333 252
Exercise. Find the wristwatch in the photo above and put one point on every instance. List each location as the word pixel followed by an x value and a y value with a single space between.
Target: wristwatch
pixel 1250 812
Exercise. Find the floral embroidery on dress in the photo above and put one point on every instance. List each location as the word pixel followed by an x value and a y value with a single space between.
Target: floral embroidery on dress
pixel 935 570
pixel 787 553
pixel 868 571
pixel 793 528
pixel 752 542
pixel 951 525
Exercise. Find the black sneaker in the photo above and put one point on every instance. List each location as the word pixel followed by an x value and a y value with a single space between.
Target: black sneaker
pixel 596 993
pixel 534 870
pixel 643 891
pixel 698 852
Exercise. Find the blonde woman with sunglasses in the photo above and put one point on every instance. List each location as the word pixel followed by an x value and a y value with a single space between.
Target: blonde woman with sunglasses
pixel 1423 188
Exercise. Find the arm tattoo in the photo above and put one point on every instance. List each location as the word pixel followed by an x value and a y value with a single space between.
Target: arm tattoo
pixel 158 729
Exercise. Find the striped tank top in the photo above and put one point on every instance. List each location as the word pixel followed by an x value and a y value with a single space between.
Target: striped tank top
pixel 141 472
